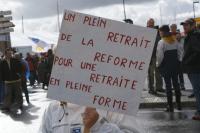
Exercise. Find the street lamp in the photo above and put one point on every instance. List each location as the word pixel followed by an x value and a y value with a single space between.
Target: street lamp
pixel 194 2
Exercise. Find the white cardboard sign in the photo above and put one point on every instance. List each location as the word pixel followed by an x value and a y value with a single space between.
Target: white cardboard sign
pixel 101 63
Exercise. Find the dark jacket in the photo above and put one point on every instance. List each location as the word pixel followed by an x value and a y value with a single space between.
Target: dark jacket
pixel 158 38
pixel 170 63
pixel 42 72
pixel 50 59
pixel 12 73
pixel 191 59
pixel 30 64
pixel 1 75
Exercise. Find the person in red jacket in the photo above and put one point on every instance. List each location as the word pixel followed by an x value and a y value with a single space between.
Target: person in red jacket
pixel 32 69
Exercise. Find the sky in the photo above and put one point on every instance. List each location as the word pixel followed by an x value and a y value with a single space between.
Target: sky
pixel 40 16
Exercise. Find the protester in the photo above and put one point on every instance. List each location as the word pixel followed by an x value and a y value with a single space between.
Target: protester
pixel 32 69
pixel 168 58
pixel 176 33
pixel 50 58
pixel 2 91
pixel 25 71
pixel 42 72
pixel 94 123
pixel 173 29
pixel 11 71
pixel 36 60
pixel 62 117
pixel 191 63
pixel 180 38
pixel 153 72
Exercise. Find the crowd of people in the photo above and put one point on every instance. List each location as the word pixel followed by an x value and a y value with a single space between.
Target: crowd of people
pixel 16 72
pixel 175 53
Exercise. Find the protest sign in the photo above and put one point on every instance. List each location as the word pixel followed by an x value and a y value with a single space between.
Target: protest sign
pixel 101 63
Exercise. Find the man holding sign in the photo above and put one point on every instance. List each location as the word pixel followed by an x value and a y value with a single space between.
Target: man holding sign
pixel 62 117
pixel 102 64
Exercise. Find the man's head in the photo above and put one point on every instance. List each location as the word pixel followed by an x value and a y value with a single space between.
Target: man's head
pixel 90 117
pixel 173 28
pixel 8 53
pixel 188 25
pixel 150 23
pixel 178 36
pixel 50 52
pixel 28 55
pixel 17 56
pixel 164 31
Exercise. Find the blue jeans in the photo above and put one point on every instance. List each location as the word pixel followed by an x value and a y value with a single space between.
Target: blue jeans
pixel 2 91
pixel 195 81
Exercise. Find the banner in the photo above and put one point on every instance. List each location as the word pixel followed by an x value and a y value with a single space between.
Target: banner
pixel 101 63
pixel 40 45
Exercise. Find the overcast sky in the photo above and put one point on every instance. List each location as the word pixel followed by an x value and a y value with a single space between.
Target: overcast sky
pixel 40 16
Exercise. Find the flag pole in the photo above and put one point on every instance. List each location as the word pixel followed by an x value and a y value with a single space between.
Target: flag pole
pixel 58 18
pixel 124 9
pixel 22 24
